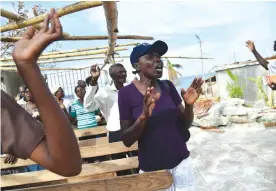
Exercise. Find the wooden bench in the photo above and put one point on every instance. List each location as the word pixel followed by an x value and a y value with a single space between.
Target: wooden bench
pixel 94 176
pixel 44 176
pixel 158 180
pixel 86 152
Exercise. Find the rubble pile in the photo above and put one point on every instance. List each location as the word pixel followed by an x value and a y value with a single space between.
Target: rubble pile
pixel 228 113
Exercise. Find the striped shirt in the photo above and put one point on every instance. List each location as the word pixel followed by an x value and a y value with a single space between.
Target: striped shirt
pixel 85 119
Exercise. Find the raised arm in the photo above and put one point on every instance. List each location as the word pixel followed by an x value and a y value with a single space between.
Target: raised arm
pixel 59 151
pixel 131 131
pixel 90 102
pixel 261 60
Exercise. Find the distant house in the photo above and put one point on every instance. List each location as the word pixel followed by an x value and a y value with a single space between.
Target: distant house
pixel 243 71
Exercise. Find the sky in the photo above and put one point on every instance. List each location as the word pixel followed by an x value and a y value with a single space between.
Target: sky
pixel 222 26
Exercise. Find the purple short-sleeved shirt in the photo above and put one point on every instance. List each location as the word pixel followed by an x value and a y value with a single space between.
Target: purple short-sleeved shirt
pixel 160 145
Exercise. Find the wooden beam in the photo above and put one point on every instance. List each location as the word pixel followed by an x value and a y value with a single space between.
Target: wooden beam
pixel 86 49
pixel 91 58
pixel 74 54
pixel 43 69
pixel 15 17
pixel 158 180
pixel 111 15
pixel 86 152
pixel 100 37
pixel 82 5
pixel 87 170
pixel 11 16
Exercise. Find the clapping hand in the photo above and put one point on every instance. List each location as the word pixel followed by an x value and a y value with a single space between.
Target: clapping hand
pixel 190 95
pixel 149 102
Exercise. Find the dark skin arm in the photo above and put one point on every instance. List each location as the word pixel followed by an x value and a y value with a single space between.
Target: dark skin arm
pixel 70 118
pixel 59 151
pixel 131 131
pixel 261 60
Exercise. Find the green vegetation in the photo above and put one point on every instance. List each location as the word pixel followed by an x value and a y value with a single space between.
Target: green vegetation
pixel 233 88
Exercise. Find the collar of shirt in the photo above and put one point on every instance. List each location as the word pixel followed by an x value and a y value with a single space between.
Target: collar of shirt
pixel 113 87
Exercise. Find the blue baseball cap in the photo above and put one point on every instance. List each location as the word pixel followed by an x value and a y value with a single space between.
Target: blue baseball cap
pixel 145 48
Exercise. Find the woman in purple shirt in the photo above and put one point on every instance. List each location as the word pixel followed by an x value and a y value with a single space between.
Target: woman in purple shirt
pixel 151 112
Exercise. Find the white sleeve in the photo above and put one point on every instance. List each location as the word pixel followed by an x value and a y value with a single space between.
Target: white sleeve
pixel 272 68
pixel 90 103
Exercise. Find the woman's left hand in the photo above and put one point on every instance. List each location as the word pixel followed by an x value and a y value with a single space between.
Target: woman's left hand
pixel 193 92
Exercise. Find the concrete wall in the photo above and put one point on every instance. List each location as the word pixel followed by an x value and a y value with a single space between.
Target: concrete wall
pixel 10 82
pixel 244 72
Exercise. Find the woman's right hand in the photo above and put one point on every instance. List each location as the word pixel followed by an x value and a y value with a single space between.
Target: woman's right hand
pixel 149 102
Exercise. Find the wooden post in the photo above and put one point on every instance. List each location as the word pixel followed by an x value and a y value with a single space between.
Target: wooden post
pixel 111 15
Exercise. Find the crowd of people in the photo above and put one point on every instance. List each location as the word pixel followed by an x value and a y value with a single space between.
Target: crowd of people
pixel 148 110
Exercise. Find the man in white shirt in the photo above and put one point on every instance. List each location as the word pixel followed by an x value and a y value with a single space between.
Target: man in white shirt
pixel 270 66
pixel 106 98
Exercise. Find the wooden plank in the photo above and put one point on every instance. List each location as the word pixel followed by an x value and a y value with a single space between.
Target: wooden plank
pixel 91 131
pixel 86 152
pixel 149 181
pixel 93 142
pixel 75 179
pixel 87 170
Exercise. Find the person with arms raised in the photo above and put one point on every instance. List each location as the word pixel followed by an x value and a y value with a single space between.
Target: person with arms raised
pixel 106 98
pixel 270 66
pixel 52 145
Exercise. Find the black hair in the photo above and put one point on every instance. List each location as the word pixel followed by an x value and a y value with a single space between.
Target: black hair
pixel 78 86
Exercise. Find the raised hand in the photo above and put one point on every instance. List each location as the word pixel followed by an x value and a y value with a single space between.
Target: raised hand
pixel 193 92
pixel 250 45
pixel 10 159
pixel 95 72
pixel 27 50
pixel 149 102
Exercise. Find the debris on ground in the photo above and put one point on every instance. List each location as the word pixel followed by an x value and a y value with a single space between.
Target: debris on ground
pixel 212 115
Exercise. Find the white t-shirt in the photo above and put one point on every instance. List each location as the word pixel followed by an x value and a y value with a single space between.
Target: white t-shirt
pixel 272 67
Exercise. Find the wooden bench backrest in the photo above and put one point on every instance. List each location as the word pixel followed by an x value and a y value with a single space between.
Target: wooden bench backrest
pixel 158 180
pixel 86 152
